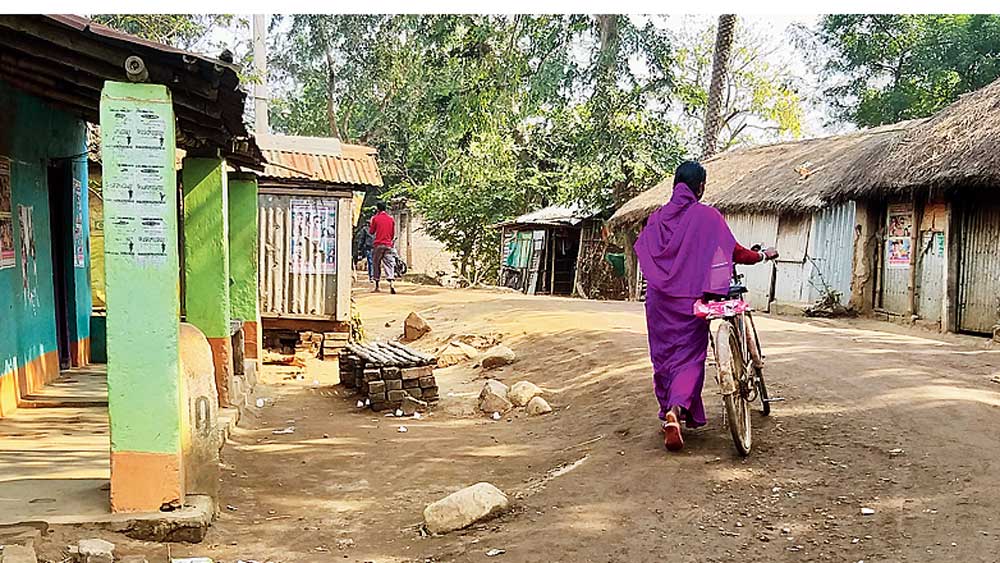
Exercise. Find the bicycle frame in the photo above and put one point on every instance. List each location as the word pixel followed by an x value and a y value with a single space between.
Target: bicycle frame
pixel 738 313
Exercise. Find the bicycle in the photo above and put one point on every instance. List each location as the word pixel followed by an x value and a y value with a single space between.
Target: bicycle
pixel 739 360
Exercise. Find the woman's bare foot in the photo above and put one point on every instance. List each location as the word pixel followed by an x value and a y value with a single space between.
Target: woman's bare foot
pixel 673 440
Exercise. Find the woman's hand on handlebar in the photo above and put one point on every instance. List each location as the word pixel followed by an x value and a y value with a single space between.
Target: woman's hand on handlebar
pixel 769 253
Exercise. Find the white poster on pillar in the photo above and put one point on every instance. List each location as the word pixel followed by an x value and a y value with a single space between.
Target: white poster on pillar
pixel 137 207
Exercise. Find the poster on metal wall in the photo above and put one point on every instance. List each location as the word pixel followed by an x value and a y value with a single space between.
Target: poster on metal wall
pixel 7 253
pixel 313 245
pixel 898 236
pixel 79 255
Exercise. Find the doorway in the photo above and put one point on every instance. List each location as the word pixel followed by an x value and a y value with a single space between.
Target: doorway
pixel 60 188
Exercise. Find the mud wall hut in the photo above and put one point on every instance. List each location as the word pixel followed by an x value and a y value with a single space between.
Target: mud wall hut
pixel 792 195
pixel 937 217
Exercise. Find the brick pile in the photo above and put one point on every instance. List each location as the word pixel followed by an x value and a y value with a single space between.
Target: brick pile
pixel 387 373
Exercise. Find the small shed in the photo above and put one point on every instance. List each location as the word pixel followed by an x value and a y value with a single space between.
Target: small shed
pixel 541 249
pixel 306 215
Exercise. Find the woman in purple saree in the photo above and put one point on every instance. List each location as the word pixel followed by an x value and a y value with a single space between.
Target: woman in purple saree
pixel 686 251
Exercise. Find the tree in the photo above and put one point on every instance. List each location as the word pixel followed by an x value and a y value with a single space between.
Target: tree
pixel 720 62
pixel 888 68
pixel 759 98
pixel 184 31
pixel 210 34
pixel 480 118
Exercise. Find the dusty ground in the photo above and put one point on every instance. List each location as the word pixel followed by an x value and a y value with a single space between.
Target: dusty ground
pixel 592 482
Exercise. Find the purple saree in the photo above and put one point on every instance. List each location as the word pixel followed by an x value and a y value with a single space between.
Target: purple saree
pixel 685 251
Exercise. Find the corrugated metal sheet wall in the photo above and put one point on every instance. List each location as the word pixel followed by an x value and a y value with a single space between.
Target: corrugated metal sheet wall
pixel 284 292
pixel 932 269
pixel 752 229
pixel 979 268
pixel 831 247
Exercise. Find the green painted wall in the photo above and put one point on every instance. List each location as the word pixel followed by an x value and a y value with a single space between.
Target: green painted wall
pixel 142 282
pixel 243 247
pixel 206 245
pixel 33 135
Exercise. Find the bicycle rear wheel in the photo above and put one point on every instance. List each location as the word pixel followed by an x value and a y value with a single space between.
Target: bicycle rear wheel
pixel 732 370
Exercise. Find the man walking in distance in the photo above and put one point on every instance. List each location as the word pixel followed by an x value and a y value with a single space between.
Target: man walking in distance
pixel 383 226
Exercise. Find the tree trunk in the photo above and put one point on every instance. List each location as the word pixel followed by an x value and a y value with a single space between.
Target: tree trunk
pixel 607 26
pixel 723 45
pixel 331 108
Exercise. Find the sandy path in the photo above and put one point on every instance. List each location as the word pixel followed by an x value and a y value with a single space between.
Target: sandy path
pixel 854 390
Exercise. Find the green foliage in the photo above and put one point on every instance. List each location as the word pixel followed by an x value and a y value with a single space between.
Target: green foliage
pixel 480 118
pixel 192 32
pixel 887 68
pixel 760 101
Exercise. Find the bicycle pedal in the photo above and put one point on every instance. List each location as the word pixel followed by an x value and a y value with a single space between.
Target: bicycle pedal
pixel 775 400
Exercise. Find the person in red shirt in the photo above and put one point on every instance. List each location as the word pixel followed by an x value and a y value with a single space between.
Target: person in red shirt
pixel 383 226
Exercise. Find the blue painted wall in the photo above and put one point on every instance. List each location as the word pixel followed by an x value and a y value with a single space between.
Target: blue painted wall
pixel 32 134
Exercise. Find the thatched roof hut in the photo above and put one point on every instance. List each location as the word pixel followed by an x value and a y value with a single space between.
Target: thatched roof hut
pixel 798 177
pixel 955 147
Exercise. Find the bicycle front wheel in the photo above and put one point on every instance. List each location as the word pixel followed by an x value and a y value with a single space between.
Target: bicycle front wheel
pixel 732 370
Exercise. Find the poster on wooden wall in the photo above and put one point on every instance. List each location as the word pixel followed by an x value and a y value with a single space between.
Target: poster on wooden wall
pixel 898 243
pixel 7 255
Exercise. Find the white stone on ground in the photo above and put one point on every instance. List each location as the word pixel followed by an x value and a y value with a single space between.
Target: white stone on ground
pixel 464 508
pixel 493 397
pixel 537 406
pixel 96 551
pixel 497 356
pixel 522 392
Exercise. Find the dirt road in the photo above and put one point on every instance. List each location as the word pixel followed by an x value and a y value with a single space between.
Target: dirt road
pixel 592 481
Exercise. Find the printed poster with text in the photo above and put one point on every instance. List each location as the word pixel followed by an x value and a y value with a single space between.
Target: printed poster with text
pixel 314 236
pixel 898 236
pixel 7 252
pixel 137 206
pixel 79 240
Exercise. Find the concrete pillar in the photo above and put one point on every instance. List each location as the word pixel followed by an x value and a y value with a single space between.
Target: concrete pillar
pixel 143 301
pixel 206 260
pixel 243 296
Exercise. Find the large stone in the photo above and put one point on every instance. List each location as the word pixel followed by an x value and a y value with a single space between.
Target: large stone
pixel 414 327
pixel 96 551
pixel 464 508
pixel 412 405
pixel 18 554
pixel 497 356
pixel 522 392
pixel 537 406
pixel 456 353
pixel 493 397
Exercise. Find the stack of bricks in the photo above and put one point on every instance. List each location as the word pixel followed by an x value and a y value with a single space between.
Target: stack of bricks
pixel 333 343
pixel 309 344
pixel 387 373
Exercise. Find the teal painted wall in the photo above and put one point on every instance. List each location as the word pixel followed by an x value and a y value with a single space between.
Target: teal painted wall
pixel 141 277
pixel 243 248
pixel 206 245
pixel 31 135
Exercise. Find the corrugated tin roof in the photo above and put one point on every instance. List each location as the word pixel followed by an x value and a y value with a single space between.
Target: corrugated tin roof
pixel 356 165
pixel 555 215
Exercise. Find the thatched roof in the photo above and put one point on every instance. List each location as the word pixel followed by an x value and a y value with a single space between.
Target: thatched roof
pixel 955 147
pixel 799 176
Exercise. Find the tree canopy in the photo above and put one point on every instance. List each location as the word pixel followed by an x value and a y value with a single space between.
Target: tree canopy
pixel 888 68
